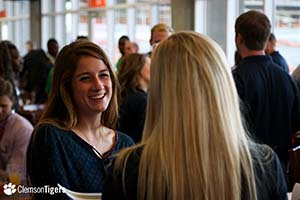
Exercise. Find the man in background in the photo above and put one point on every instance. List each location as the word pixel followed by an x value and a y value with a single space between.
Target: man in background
pixel 52 46
pixel 121 44
pixel 131 47
pixel 270 98
pixel 159 32
pixel 276 56
pixel 29 46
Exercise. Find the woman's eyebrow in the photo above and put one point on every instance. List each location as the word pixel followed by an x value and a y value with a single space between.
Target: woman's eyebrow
pixel 103 70
pixel 87 73
pixel 81 74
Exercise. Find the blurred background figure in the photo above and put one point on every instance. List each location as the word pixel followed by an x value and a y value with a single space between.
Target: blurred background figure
pixel 16 61
pixel 296 76
pixel 159 32
pixel 194 145
pixel 10 65
pixel 15 132
pixel 130 47
pixel 121 44
pixel 82 37
pixel 75 138
pixel 134 78
pixel 276 56
pixel 237 60
pixel 29 46
pixel 34 77
pixel 136 47
pixel 53 47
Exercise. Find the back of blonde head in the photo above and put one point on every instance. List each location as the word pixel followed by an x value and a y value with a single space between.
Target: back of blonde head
pixel 195 146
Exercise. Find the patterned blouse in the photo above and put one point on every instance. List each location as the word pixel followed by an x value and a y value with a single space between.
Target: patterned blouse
pixel 59 156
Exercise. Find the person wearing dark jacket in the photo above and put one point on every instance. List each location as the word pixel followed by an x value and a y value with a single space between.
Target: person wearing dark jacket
pixel 270 96
pixel 276 56
pixel 134 77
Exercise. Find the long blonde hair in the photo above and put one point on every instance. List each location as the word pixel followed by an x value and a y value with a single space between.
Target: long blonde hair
pixel 194 143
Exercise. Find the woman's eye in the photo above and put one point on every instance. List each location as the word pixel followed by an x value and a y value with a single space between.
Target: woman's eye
pixel 83 78
pixel 104 75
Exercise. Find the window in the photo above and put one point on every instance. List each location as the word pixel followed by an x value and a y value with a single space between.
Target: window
pixel 254 5
pixel 287 31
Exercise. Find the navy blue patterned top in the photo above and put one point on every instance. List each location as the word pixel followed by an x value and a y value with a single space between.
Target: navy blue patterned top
pixel 59 156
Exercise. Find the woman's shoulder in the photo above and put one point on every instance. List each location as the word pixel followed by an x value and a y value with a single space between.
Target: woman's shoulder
pixel 132 156
pixel 47 131
pixel 269 176
pixel 124 140
pixel 264 158
pixel 263 154
pixel 45 127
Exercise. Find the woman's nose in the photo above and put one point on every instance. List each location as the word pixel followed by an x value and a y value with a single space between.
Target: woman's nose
pixel 98 83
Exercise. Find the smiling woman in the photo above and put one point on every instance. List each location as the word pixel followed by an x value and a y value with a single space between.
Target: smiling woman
pixel 92 84
pixel 76 137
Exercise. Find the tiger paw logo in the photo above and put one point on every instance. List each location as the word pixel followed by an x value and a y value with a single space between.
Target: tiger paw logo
pixel 9 189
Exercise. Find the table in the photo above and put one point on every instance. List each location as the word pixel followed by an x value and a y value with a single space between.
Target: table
pixel 32 112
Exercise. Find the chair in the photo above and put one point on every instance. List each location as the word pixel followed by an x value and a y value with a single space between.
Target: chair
pixel 294 166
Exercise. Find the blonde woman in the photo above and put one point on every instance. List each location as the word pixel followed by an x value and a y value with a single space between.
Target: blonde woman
pixel 194 145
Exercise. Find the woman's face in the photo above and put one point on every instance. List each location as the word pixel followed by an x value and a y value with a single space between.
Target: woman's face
pixel 5 107
pixel 91 86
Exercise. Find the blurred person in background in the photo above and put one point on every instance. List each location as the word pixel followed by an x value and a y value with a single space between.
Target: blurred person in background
pixel 34 77
pixel 237 60
pixel 15 133
pixel 276 56
pixel 82 37
pixel 296 76
pixel 130 47
pixel 16 60
pixel 53 48
pixel 121 45
pixel 29 46
pixel 159 32
pixel 10 64
pixel 134 78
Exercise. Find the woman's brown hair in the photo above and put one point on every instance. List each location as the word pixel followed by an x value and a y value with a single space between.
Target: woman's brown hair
pixel 60 110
